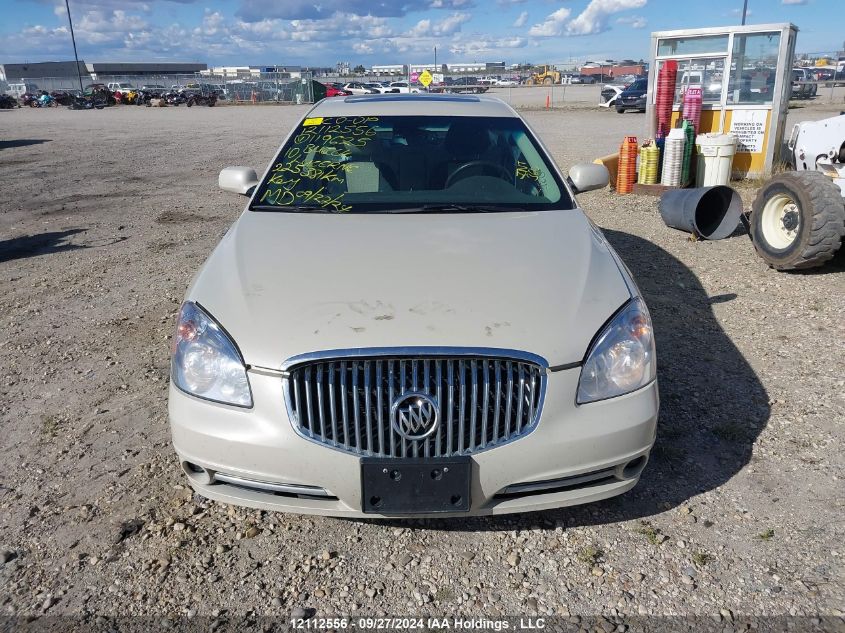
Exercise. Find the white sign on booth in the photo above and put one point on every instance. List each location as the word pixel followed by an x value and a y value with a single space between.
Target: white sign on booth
pixel 749 128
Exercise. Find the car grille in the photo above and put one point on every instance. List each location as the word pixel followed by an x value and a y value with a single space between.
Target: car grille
pixel 481 401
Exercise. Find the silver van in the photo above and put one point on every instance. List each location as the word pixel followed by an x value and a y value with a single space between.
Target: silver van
pixel 18 89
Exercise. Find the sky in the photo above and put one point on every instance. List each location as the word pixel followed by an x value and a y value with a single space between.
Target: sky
pixel 324 32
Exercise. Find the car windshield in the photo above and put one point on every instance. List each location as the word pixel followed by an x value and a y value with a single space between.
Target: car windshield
pixel 447 164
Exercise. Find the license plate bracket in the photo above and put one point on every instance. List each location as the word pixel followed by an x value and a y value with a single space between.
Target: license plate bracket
pixel 415 486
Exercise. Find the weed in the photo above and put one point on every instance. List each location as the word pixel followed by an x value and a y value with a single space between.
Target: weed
pixel 444 594
pixel 590 555
pixel 766 535
pixel 700 559
pixel 49 426
pixel 647 530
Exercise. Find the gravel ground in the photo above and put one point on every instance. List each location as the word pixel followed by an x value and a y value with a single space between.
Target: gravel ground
pixel 104 218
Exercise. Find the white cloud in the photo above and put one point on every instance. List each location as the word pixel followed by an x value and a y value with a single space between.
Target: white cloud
pixel 447 26
pixel 593 19
pixel 552 25
pixel 794 1
pixel 479 44
pixel 634 21
pixel 521 20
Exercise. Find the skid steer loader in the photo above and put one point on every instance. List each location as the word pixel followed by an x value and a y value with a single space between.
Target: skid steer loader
pixel 797 220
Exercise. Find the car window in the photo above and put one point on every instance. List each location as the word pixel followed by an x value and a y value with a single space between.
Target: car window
pixel 373 164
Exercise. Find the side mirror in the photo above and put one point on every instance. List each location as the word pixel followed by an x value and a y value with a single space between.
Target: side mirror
pixel 588 176
pixel 238 180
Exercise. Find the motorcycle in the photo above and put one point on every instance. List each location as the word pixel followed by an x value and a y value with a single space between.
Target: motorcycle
pixel 27 98
pixel 88 102
pixel 43 100
pixel 7 102
pixel 198 98
pixel 174 98
pixel 63 97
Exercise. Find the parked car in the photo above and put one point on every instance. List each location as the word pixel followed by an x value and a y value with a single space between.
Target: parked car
pixel 506 83
pixel 609 94
pixel 358 88
pixel 803 86
pixel 376 86
pixel 633 97
pixel 401 87
pixel 123 87
pixel 156 88
pixel 335 90
pixel 19 89
pixel 360 389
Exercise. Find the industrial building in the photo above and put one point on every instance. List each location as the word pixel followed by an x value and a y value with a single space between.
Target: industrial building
pixel 97 70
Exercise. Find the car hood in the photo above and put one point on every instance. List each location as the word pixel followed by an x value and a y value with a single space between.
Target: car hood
pixel 284 284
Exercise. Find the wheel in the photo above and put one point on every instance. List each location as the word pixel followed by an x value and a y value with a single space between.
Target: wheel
pixel 620 109
pixel 547 81
pixel 798 220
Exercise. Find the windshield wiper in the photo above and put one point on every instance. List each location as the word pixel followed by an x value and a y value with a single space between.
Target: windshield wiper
pixel 460 208
pixel 292 208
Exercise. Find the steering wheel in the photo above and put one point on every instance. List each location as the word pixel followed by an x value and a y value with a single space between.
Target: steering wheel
pixel 464 169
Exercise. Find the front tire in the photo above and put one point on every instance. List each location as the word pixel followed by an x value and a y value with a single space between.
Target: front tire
pixel 798 220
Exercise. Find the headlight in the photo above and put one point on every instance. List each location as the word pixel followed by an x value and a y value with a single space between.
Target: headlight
pixel 205 362
pixel 622 358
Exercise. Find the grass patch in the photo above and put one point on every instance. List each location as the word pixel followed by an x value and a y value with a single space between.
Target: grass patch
pixel 700 559
pixel 766 535
pixel 444 594
pixel 648 531
pixel 49 426
pixel 590 555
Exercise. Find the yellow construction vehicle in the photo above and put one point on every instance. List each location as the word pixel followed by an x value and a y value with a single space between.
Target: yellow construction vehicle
pixel 548 77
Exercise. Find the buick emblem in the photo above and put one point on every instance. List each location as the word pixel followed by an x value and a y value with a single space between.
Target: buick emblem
pixel 414 415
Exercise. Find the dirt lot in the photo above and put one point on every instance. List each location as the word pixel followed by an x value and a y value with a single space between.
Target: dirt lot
pixel 104 218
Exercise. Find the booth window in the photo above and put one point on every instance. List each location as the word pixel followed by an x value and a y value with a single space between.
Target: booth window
pixel 753 68
pixel 706 73
pixel 680 46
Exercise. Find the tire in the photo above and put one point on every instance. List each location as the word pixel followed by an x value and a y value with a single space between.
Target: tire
pixel 620 109
pixel 798 220
pixel 547 81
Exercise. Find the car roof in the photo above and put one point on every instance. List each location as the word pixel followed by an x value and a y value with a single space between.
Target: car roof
pixel 414 105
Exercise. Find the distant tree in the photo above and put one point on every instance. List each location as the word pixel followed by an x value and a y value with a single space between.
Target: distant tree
pixel 359 70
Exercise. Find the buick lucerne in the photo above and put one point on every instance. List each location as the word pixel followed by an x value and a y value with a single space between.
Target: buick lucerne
pixel 412 316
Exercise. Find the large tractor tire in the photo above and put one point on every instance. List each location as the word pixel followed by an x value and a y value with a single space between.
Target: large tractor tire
pixel 548 81
pixel 798 220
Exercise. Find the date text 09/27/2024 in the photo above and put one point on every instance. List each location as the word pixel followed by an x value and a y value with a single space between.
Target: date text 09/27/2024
pixel 410 624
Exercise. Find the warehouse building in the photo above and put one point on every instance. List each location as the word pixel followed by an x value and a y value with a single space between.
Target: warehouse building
pixel 16 72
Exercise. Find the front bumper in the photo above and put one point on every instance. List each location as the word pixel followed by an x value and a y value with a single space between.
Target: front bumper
pixel 577 454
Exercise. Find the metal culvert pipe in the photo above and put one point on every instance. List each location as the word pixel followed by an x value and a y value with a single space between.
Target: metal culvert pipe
pixel 708 212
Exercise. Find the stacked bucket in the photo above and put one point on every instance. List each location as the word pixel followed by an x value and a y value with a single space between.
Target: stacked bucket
pixel 627 174
pixel 649 163
pixel 673 158
pixel 689 144
pixel 692 107
pixel 666 79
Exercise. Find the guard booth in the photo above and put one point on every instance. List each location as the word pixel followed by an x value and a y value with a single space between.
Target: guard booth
pixel 745 74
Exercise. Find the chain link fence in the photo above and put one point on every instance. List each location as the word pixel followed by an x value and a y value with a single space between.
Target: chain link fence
pixel 264 88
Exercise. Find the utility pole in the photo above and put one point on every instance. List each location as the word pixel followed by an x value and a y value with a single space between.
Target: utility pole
pixel 744 11
pixel 73 39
